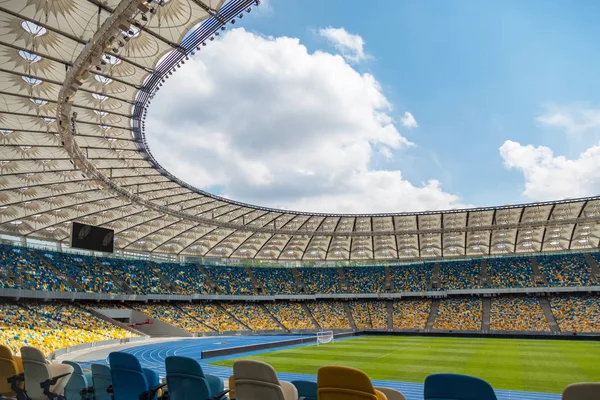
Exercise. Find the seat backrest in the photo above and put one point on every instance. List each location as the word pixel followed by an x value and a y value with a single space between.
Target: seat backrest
pixel 457 387
pixel 36 371
pixel 186 380
pixel 256 380
pixel 306 389
pixel 77 383
pixel 8 369
pixel 582 391
pixel 102 380
pixel 344 383
pixel 128 378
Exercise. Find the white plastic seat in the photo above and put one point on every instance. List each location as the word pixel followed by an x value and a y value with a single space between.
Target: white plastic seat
pixel 38 370
pixel 258 380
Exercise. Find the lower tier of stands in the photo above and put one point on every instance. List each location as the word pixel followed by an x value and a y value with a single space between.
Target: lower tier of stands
pixel 53 325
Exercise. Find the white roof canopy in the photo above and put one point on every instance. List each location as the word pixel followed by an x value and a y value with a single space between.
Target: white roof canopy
pixel 103 60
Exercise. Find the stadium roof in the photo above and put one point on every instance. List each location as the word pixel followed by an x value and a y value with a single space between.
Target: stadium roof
pixel 76 77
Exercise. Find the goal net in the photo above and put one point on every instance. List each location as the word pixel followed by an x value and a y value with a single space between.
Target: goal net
pixel 324 337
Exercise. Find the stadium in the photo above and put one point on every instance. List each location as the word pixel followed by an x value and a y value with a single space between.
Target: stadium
pixel 199 282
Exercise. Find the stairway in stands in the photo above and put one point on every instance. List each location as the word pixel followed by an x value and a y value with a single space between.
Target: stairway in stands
pixel 269 313
pixel 116 279
pixel 435 278
pixel 239 321
pixel 342 283
pixel 70 281
pixel 483 274
pixel 593 266
pixel 312 318
pixel 258 288
pixel 349 314
pixel 389 284
pixel 165 282
pixel 390 313
pixel 485 317
pixel 209 281
pixel 538 277
pixel 545 304
pixel 113 322
pixel 299 283
pixel 435 304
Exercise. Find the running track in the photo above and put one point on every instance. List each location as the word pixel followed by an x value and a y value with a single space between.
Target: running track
pixel 153 356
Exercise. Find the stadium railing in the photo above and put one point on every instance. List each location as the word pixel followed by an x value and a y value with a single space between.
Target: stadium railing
pixel 40 294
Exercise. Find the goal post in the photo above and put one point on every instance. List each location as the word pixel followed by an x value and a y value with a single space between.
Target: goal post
pixel 324 337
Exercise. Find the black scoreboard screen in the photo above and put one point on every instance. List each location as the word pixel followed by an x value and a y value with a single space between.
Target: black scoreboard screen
pixel 88 237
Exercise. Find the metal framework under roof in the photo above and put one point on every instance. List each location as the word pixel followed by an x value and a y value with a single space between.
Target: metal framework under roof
pixel 76 77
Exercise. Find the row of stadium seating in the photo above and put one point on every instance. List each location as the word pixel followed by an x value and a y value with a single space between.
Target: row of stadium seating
pixel 50 326
pixel 33 376
pixel 50 271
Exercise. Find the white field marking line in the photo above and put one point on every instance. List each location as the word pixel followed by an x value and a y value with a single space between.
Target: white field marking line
pixel 390 353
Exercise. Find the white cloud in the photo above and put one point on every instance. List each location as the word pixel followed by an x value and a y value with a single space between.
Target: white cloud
pixel 349 45
pixel 573 118
pixel 549 177
pixel 271 124
pixel 408 120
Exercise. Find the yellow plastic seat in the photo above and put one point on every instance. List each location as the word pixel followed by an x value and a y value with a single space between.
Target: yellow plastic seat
pixel 344 383
pixel 9 366
pixel 232 387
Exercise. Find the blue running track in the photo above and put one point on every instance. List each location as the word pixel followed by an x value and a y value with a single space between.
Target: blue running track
pixel 153 356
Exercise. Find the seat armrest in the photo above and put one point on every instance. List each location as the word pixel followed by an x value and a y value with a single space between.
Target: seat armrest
pixel 52 381
pixel 219 395
pixel 149 394
pixel 14 386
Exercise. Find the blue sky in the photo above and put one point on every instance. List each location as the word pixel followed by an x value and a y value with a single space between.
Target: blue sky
pixel 474 75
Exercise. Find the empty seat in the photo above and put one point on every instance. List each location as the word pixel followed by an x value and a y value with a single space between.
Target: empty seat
pixel 457 387
pixel 582 391
pixel 306 389
pixel 79 381
pixel 102 381
pixel 258 380
pixel 39 371
pixel 344 383
pixel 187 381
pixel 130 380
pixel 10 367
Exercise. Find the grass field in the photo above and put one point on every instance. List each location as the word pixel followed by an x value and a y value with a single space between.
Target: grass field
pixel 527 365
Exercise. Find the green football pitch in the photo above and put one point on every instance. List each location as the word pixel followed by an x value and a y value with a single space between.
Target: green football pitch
pixel 514 364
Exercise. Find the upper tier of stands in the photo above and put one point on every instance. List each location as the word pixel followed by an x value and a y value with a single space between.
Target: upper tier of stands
pixel 365 280
pixel 187 278
pixel 52 271
pixel 460 274
pixel 566 270
pixel 231 280
pixel 276 280
pixel 510 272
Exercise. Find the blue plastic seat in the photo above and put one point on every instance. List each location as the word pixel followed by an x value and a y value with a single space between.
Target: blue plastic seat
pixel 102 381
pixel 457 387
pixel 187 381
pixel 306 389
pixel 79 381
pixel 129 379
